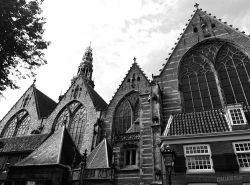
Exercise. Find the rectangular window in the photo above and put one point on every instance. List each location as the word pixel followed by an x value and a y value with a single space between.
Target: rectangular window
pixel 198 158
pixel 130 157
pixel 242 151
pixel 237 116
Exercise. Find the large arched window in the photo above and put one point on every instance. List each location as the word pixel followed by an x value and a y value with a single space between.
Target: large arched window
pixel 198 80
pixel 233 68
pixel 18 125
pixel 126 113
pixel 214 73
pixel 74 117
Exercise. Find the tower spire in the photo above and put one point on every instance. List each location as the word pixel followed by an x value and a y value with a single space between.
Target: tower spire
pixel 86 67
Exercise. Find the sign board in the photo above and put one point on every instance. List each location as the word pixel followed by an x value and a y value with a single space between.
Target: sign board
pixel 229 180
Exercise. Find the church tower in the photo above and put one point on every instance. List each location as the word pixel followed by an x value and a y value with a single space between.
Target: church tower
pixel 86 67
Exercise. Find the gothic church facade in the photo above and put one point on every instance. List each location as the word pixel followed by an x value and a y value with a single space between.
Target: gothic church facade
pixel 198 105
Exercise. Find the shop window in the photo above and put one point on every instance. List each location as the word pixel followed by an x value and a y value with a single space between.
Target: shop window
pixel 198 158
pixel 242 151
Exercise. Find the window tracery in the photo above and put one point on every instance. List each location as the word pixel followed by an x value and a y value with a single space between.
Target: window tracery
pixel 18 125
pixel 198 83
pixel 213 73
pixel 126 113
pixel 233 68
pixel 74 117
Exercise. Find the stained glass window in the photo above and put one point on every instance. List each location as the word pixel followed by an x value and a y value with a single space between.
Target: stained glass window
pixel 126 113
pixel 11 128
pixel 23 127
pixel 74 116
pixel 76 127
pixel 18 125
pixel 213 73
pixel 63 119
pixel 198 83
pixel 233 68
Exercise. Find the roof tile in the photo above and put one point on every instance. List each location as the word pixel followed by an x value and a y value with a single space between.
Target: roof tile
pixel 22 144
pixel 198 122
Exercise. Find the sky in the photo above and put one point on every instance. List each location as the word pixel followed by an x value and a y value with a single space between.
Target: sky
pixel 118 30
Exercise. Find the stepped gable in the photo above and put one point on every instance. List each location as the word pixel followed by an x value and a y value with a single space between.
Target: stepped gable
pixel 217 28
pixel 134 66
pixel 198 123
pixel 100 157
pixel 97 100
pixel 21 144
pixel 45 105
pixel 57 149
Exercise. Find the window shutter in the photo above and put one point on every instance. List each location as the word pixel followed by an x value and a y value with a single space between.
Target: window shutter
pixel 180 164
pixel 225 162
pixel 219 162
pixel 231 162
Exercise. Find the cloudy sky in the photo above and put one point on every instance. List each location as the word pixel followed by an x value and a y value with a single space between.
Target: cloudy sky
pixel 119 30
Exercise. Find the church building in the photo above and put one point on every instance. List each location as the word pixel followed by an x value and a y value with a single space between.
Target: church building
pixel 197 106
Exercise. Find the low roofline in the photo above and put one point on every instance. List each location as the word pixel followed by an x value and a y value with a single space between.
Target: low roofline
pixel 41 165
pixel 208 137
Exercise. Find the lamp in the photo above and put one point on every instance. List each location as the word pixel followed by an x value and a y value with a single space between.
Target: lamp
pixel 168 155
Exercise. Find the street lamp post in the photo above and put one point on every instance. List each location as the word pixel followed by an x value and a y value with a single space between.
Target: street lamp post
pixel 168 155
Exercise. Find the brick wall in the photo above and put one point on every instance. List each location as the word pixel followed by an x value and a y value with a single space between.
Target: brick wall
pixel 168 78
pixel 125 88
pixel 217 148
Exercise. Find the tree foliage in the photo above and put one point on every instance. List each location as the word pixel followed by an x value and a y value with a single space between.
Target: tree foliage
pixel 21 40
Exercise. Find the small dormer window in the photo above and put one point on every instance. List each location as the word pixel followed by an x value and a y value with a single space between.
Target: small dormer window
pixel 236 115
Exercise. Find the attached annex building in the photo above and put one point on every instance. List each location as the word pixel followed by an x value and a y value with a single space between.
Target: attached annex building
pixel 198 104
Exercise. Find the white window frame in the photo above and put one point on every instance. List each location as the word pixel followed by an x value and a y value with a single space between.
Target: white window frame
pixel 242 169
pixel 233 107
pixel 199 154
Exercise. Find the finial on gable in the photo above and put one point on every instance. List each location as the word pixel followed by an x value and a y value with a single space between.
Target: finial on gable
pixel 134 60
pixel 196 5
pixel 34 81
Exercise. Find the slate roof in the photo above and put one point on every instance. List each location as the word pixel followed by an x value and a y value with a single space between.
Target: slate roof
pixel 197 123
pixel 98 102
pixel 57 149
pixel 21 144
pixel 99 157
pixel 45 105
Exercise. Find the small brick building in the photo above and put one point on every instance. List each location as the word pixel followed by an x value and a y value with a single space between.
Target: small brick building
pixel 198 105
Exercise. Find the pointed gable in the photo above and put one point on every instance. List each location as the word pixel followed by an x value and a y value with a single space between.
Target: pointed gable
pixel 57 149
pixel 201 29
pixel 134 83
pixel 134 80
pixel 202 26
pixel 100 156
pixel 35 103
